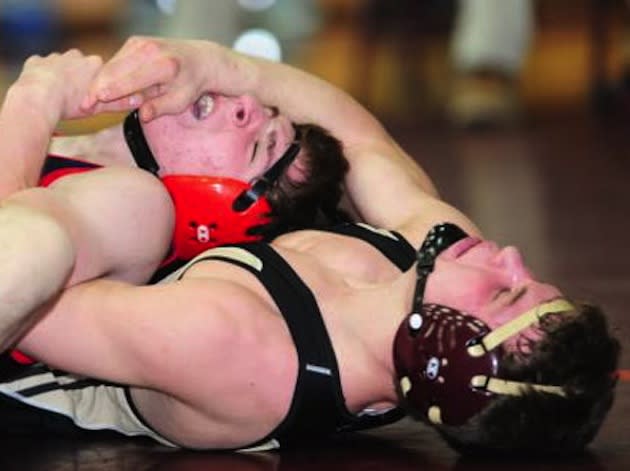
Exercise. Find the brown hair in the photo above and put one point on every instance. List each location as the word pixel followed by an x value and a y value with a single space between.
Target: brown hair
pixel 576 352
pixel 313 201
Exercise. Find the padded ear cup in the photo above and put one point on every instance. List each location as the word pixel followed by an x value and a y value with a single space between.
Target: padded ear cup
pixel 205 217
pixel 432 360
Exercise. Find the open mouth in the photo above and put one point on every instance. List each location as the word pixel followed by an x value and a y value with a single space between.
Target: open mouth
pixel 203 106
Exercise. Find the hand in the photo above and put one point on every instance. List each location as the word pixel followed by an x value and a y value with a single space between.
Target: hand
pixel 58 83
pixel 163 76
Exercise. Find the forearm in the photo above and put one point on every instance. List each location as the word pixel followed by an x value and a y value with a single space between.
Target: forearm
pixel 27 121
pixel 302 96
pixel 175 72
pixel 371 151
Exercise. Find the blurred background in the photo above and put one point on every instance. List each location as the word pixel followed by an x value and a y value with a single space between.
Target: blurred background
pixel 517 108
pixel 466 63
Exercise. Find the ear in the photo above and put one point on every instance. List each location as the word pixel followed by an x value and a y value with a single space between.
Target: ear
pixel 298 170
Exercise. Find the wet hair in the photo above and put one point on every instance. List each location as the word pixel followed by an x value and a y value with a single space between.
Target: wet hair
pixel 577 352
pixel 313 201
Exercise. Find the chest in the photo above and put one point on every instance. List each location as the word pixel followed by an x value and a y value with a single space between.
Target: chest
pixel 351 259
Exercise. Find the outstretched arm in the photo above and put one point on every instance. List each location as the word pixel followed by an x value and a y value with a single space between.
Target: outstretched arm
pixel 154 336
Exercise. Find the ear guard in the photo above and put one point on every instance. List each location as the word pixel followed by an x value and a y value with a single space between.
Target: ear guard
pixel 205 214
pixel 446 361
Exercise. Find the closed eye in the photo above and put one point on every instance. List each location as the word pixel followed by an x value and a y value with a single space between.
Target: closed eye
pixel 251 159
pixel 500 293
pixel 518 295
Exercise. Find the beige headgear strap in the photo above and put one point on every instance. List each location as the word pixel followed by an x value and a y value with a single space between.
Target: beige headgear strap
pixel 516 325
pixel 500 335
pixel 512 388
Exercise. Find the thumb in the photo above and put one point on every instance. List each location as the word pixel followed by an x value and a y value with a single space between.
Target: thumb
pixel 169 103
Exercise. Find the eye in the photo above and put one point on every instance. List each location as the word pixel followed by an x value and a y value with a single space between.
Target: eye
pixel 518 294
pixel 501 292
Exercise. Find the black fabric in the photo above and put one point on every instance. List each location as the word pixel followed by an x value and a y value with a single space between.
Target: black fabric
pixel 56 162
pixel 318 407
pixel 439 238
pixel 23 420
pixel 137 143
pixel 400 252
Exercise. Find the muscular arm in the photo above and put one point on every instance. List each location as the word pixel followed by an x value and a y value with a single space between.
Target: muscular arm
pixel 385 184
pixel 48 89
pixel 117 332
pixel 175 339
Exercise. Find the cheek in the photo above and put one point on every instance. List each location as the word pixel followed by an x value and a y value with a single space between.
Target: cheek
pixel 463 290
pixel 161 136
pixel 184 150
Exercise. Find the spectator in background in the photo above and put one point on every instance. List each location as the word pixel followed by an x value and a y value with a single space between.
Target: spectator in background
pixel 489 46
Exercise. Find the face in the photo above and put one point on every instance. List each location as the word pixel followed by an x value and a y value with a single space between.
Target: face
pixel 489 282
pixel 221 136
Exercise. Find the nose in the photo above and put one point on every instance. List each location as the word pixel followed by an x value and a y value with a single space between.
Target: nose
pixel 511 258
pixel 246 110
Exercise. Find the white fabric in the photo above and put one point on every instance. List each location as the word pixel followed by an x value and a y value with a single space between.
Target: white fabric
pixel 493 34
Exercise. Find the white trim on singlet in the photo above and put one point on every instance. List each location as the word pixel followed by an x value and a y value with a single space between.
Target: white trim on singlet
pixel 90 404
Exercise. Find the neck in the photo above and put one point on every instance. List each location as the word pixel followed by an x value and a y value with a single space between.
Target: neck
pixel 111 142
pixel 381 310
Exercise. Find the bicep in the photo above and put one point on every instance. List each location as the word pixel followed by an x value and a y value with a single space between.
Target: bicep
pixel 122 333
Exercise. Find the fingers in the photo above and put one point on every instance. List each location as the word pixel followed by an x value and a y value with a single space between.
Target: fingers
pixel 173 102
pixel 138 67
pixel 127 103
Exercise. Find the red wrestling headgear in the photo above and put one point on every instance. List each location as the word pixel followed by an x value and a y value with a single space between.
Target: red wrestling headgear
pixel 447 361
pixel 205 214
pixel 211 211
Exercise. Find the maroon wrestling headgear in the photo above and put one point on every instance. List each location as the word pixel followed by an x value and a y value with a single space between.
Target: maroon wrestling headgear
pixel 447 361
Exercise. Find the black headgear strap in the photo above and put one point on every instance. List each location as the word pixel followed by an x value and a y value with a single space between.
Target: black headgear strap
pixel 261 185
pixel 138 145
pixel 439 238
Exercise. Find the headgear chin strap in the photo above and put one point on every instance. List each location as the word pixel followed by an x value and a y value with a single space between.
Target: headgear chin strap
pixel 138 145
pixel 209 210
pixel 447 361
